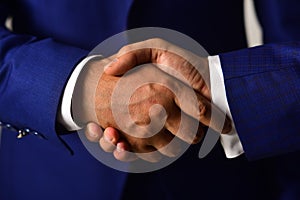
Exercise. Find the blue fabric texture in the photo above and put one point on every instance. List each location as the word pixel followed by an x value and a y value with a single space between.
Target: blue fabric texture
pixel 263 90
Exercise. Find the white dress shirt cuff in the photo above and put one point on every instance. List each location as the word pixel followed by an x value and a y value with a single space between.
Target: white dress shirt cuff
pixel 65 115
pixel 230 142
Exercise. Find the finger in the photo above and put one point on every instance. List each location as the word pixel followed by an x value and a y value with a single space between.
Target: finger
pixel 143 149
pixel 122 152
pixel 200 134
pixel 175 61
pixel 183 126
pixel 109 140
pixel 135 57
pixel 200 108
pixel 161 142
pixel 129 60
pixel 211 116
pixel 93 132
pixel 152 157
pixel 166 144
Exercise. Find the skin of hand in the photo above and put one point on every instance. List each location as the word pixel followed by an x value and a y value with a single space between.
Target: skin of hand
pixel 139 104
pixel 160 52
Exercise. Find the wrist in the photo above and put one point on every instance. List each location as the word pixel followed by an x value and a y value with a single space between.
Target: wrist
pixel 65 115
pixel 83 109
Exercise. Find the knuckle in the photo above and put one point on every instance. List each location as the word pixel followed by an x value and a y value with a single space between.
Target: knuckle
pixel 194 77
pixel 203 110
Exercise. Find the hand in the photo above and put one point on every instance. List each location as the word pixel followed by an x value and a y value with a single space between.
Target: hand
pixel 138 121
pixel 139 105
pixel 161 52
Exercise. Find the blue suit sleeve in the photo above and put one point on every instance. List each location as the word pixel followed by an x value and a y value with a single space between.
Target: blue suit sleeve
pixel 266 101
pixel 263 92
pixel 33 73
pixel 279 19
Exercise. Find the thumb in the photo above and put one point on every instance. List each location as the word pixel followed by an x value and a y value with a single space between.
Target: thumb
pixel 168 62
pixel 129 60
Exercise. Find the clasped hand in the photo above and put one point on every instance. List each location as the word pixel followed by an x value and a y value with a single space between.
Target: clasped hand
pixel 151 93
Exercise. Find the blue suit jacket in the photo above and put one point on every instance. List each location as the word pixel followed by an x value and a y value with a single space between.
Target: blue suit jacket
pixel 50 37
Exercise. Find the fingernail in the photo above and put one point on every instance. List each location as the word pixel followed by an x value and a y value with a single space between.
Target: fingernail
pixel 109 64
pixel 108 138
pixel 93 134
pixel 119 148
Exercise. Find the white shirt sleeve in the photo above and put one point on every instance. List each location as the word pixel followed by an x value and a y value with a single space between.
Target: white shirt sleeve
pixel 65 115
pixel 230 142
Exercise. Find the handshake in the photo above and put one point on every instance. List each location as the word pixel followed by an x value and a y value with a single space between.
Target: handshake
pixel 148 97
